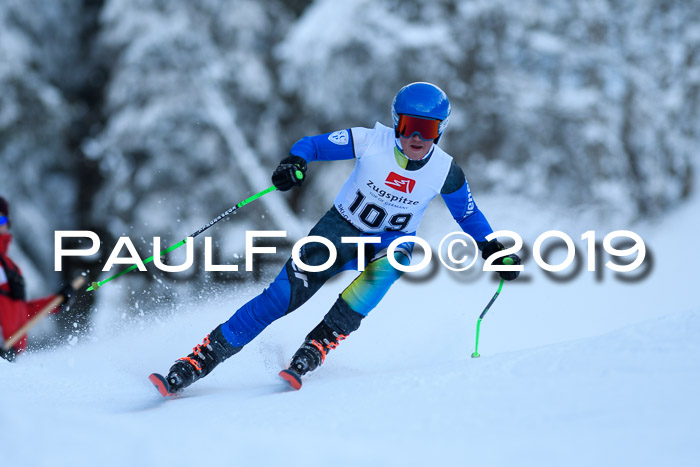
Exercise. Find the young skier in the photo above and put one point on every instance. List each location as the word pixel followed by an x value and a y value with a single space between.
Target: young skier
pixel 397 173
pixel 15 309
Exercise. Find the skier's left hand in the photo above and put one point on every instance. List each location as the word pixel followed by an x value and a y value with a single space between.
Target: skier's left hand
pixel 495 246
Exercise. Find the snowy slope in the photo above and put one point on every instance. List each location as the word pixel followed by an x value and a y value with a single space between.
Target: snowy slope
pixel 624 398
pixel 581 373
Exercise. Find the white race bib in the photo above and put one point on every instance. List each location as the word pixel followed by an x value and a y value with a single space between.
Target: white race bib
pixel 381 196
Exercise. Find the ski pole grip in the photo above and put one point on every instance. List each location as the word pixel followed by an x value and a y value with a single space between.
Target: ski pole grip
pixel 508 261
pixel 299 174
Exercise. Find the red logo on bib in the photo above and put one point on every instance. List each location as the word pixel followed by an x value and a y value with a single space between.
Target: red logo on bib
pixel 397 182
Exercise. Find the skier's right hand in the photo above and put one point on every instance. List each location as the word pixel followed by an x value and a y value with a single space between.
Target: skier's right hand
pixel 290 173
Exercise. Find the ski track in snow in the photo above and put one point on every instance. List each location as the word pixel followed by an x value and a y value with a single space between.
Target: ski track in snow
pixel 581 373
pixel 623 398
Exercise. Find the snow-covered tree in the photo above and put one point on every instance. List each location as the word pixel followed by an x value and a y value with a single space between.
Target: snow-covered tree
pixel 37 40
pixel 593 104
pixel 190 128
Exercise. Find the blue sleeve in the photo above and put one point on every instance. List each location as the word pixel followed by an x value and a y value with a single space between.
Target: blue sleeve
pixel 465 211
pixel 326 147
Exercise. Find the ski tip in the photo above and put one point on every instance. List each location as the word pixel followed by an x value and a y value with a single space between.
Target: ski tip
pixel 292 378
pixel 161 384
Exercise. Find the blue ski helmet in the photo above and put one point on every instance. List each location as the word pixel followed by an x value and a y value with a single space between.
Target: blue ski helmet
pixel 422 100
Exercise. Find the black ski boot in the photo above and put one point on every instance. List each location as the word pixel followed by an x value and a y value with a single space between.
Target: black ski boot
pixel 204 357
pixel 338 323
pixel 310 356
pixel 9 355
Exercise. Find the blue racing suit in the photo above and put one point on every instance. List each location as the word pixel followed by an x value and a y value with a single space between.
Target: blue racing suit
pixel 293 287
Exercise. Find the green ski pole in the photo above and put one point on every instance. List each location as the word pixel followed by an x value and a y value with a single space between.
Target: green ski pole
pixel 96 285
pixel 507 262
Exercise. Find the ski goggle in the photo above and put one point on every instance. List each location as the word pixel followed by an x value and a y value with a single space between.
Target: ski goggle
pixel 427 128
pixel 4 220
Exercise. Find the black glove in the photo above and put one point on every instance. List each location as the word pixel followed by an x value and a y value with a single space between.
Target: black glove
pixel 285 176
pixel 68 293
pixel 495 246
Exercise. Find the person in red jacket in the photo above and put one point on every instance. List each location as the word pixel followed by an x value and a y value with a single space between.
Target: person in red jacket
pixel 15 309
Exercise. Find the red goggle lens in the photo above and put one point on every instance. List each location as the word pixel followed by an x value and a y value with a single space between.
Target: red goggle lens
pixel 427 128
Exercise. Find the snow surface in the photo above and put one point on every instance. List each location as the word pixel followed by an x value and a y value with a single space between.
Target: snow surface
pixel 578 373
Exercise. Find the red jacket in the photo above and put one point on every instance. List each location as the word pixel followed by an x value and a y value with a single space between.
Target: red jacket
pixel 14 313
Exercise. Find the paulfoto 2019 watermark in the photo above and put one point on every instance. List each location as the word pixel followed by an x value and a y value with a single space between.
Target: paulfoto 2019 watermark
pixel 457 251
